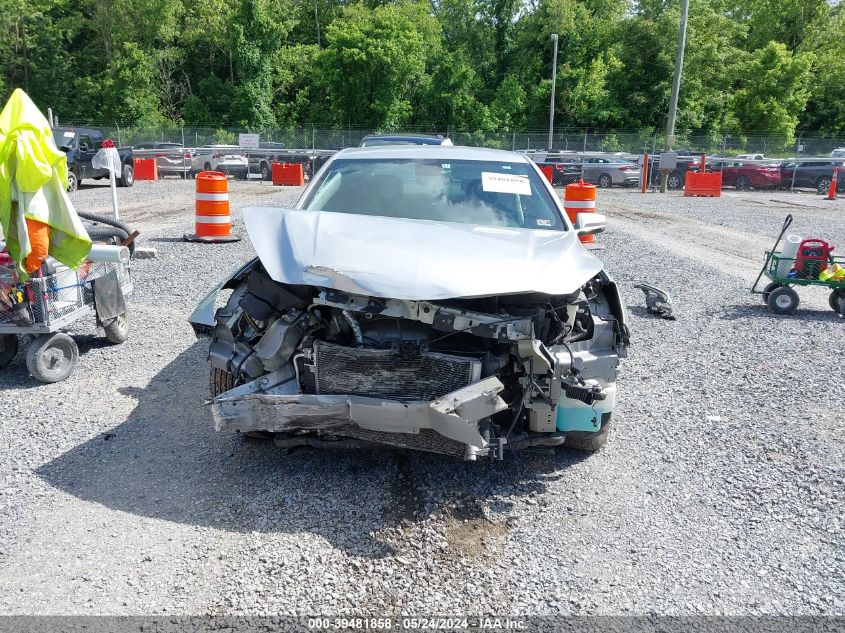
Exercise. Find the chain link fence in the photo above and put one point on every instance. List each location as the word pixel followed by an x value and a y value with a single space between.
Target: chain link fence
pixel 625 141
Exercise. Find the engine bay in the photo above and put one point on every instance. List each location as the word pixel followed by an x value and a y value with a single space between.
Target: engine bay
pixel 537 354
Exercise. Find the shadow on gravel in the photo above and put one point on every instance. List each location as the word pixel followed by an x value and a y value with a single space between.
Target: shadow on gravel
pixel 164 461
pixel 740 311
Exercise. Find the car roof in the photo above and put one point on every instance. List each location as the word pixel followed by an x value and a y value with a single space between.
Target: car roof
pixel 79 130
pixel 436 152
pixel 420 139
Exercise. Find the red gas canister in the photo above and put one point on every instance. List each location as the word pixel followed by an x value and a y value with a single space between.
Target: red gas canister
pixel 812 258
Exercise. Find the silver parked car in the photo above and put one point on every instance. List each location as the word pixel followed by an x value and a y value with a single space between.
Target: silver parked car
pixel 171 158
pixel 606 172
pixel 429 298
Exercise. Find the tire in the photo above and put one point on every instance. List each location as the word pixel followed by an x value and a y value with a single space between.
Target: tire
pixel 52 357
pixel 72 181
pixel 8 349
pixel 836 302
pixel 219 381
pixel 783 300
pixel 588 442
pixel 117 330
pixel 743 183
pixel 769 289
pixel 674 181
pixel 823 185
pixel 266 172
pixel 605 181
pixel 127 175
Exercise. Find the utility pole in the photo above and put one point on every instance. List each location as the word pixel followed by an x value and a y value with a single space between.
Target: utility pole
pixel 676 80
pixel 317 22
pixel 676 87
pixel 552 103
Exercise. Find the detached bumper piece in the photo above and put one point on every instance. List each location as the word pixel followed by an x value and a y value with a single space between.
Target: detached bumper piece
pixel 448 425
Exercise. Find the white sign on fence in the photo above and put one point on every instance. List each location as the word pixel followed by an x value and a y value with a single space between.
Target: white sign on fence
pixel 248 141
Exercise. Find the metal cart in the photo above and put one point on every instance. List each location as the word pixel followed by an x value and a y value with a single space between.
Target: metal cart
pixel 51 303
pixel 779 294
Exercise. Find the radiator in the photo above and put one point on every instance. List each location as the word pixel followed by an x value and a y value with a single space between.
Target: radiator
pixel 385 374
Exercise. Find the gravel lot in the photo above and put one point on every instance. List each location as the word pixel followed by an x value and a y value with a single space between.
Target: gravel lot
pixel 720 492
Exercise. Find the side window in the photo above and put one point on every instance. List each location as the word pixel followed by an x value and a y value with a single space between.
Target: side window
pixel 85 143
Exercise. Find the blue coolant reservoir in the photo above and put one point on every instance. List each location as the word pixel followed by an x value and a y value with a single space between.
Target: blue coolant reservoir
pixel 574 415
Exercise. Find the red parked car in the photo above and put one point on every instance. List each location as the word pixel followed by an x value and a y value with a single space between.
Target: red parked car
pixel 746 175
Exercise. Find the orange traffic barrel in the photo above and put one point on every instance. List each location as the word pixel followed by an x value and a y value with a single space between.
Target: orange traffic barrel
pixel 580 197
pixel 213 221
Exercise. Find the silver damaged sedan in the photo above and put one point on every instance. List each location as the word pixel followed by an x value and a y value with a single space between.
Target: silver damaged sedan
pixel 429 298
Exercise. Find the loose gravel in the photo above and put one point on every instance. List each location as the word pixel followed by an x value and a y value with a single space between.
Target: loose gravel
pixel 720 491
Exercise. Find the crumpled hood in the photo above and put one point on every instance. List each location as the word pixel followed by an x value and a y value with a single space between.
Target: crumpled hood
pixel 396 258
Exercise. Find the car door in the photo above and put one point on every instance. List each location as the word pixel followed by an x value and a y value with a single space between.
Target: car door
pixel 815 171
pixel 85 152
pixel 592 169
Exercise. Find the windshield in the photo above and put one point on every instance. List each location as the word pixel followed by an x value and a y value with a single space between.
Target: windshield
pixel 64 138
pixel 464 191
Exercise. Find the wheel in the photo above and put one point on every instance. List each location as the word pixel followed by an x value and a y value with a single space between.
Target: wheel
pixel 117 330
pixel 768 290
pixel 836 302
pixel 823 184
pixel 8 349
pixel 743 183
pixel 589 442
pixel 72 181
pixel 52 357
pixel 674 181
pixel 266 173
pixel 127 175
pixel 783 300
pixel 605 181
pixel 220 381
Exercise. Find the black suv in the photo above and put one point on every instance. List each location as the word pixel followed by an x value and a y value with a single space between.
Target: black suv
pixel 815 174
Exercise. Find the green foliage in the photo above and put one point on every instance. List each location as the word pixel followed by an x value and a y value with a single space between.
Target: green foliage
pixel 447 65
pixel 774 90
pixel 374 61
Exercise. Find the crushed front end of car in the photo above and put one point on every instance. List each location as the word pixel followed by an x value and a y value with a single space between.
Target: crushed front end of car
pixel 325 359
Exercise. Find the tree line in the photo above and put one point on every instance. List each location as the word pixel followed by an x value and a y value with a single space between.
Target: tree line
pixel 773 66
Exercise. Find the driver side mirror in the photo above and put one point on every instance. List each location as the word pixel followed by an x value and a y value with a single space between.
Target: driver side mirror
pixel 590 223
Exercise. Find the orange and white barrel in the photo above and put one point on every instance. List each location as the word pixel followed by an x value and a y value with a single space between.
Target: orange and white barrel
pixel 580 197
pixel 213 220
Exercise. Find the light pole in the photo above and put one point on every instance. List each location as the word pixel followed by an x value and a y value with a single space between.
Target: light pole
pixel 676 79
pixel 676 88
pixel 554 82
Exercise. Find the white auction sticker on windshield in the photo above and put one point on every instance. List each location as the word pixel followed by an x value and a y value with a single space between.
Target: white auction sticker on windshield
pixel 505 183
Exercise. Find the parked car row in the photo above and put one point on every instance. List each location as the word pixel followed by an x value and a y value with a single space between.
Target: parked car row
pixel 174 158
pixel 603 171
pixel 744 172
